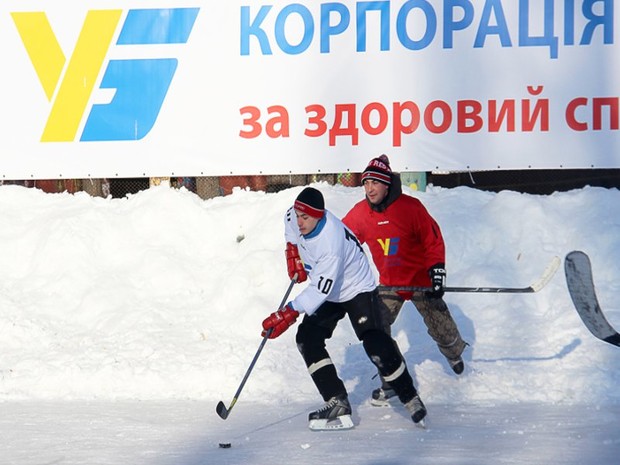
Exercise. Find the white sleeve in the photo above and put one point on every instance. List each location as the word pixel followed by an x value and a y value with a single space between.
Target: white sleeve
pixel 291 230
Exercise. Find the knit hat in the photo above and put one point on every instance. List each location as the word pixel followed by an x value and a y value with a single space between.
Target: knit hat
pixel 310 201
pixel 379 170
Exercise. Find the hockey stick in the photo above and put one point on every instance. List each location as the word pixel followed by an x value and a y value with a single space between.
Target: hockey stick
pixel 221 409
pixel 534 287
pixel 580 285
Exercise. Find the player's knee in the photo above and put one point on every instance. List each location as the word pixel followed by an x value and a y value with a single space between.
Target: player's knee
pixel 381 350
pixel 310 339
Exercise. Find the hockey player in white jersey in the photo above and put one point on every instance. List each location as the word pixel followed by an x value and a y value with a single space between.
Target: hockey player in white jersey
pixel 321 248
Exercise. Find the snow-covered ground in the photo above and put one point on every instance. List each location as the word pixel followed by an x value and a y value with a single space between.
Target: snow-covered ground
pixel 124 321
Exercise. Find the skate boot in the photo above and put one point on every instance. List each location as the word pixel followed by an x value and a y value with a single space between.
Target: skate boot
pixel 335 414
pixel 417 410
pixel 457 365
pixel 381 396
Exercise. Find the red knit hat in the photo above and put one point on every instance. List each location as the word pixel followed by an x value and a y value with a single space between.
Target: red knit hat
pixel 379 170
pixel 310 201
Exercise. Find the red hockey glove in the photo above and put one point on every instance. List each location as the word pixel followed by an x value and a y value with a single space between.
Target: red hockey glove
pixel 437 274
pixel 294 263
pixel 279 321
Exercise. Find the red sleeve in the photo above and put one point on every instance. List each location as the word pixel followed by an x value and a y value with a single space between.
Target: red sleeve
pixel 352 220
pixel 429 235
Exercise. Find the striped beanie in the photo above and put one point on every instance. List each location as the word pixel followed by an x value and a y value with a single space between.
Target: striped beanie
pixel 379 170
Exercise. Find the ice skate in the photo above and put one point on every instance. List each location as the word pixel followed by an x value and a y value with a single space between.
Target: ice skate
pixel 335 414
pixel 457 365
pixel 381 396
pixel 417 410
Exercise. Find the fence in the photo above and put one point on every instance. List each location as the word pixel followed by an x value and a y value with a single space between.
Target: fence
pixel 528 181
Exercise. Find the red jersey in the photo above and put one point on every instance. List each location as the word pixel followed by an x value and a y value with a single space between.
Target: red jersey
pixel 404 240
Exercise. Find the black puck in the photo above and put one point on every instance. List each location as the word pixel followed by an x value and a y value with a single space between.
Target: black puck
pixel 225 445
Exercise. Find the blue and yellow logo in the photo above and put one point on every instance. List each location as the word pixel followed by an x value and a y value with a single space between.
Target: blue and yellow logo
pixel 140 84
pixel 389 245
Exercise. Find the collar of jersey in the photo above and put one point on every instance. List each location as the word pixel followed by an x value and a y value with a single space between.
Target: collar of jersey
pixel 319 227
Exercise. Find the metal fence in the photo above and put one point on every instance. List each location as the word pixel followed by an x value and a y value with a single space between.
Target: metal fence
pixel 528 181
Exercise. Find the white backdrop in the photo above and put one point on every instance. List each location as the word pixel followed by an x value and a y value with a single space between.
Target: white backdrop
pixel 197 126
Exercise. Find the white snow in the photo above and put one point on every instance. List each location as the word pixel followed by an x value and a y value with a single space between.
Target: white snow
pixel 124 321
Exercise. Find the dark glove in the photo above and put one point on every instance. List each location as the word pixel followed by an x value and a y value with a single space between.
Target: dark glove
pixel 279 321
pixel 294 263
pixel 437 274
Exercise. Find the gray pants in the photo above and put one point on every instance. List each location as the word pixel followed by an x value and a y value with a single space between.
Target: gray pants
pixel 439 322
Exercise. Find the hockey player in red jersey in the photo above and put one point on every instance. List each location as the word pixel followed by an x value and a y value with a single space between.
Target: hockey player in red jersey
pixel 340 283
pixel 408 249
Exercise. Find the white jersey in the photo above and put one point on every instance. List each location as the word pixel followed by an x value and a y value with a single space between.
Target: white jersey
pixel 335 262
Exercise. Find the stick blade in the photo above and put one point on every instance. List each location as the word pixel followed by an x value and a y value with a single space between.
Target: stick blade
pixel 578 271
pixel 547 274
pixel 221 410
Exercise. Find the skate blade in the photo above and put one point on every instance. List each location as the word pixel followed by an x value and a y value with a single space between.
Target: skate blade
pixel 421 424
pixel 342 422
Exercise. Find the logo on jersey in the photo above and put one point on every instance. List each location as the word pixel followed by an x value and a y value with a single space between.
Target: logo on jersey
pixel 136 86
pixel 389 245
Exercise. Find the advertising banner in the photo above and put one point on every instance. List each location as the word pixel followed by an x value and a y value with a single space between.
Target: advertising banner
pixel 134 88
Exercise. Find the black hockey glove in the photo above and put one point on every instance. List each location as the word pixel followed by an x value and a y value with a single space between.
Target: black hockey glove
pixel 437 274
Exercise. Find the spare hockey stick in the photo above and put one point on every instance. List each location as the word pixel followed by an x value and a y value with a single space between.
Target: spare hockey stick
pixel 534 287
pixel 221 409
pixel 580 284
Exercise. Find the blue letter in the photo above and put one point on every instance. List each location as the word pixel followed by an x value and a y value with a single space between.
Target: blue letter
pixel 431 24
pixel 501 29
pixel 362 9
pixel 254 29
pixel 606 19
pixel 449 25
pixel 327 30
pixel 306 16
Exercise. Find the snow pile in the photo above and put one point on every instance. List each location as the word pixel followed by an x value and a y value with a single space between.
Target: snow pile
pixel 160 296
